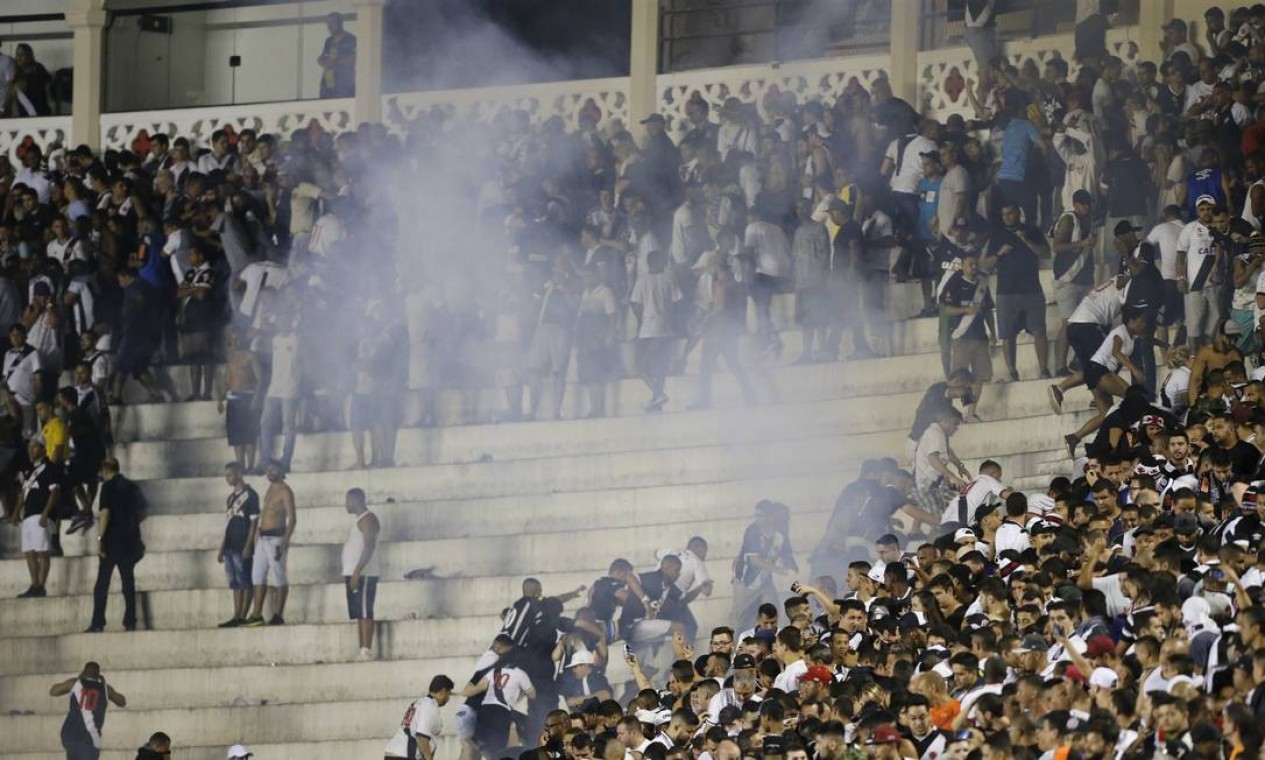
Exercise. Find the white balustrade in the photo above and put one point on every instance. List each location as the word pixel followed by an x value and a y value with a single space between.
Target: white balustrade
pixel 943 74
pixel 120 130
pixel 45 131
pixel 564 100
pixel 823 80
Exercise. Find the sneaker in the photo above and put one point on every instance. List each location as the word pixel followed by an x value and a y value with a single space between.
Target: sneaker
pixel 252 622
pixel 366 653
pixel 95 629
pixel 656 403
pixel 1063 372
pixel 1045 375
pixel 929 311
pixel 1014 376
pixel 39 593
pixel 1071 440
pixel 1056 399
pixel 972 418
pixel 28 594
pixel 277 620
pixel 232 623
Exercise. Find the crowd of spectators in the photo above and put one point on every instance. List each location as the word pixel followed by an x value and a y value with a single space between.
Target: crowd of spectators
pixel 346 278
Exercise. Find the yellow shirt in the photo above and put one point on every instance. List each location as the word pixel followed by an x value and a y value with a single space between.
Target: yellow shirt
pixel 56 440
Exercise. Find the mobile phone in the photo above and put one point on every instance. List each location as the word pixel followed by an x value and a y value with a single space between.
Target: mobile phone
pixel 1058 630
pixel 628 653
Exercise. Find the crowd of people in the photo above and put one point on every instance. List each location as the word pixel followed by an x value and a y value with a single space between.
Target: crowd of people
pixel 343 279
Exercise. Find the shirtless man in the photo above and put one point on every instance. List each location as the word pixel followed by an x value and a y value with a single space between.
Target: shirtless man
pixel 276 526
pixel 239 403
pixel 1216 354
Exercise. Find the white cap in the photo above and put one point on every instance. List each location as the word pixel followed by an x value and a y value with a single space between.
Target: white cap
pixel 238 751
pixel 1103 678
pixel 1205 199
pixel 877 572
pixel 582 657
pixel 964 534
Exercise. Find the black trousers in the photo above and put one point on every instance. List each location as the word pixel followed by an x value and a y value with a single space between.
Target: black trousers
pixel 105 573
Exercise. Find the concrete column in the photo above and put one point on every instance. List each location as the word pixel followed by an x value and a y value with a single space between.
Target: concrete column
pixel 1152 14
pixel 643 66
pixel 904 44
pixel 87 20
pixel 368 30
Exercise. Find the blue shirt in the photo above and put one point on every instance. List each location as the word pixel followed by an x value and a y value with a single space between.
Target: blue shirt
pixel 928 202
pixel 1016 145
pixel 156 270
pixel 1203 182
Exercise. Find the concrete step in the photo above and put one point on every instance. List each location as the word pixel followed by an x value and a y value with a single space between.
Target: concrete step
pixel 493 556
pixel 467 443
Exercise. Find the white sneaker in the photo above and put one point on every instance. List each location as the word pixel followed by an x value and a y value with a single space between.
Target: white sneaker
pixel 366 653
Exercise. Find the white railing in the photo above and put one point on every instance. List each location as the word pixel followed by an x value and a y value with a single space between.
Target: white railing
pixel 564 100
pixel 943 74
pixel 120 130
pixel 823 80
pixel 45 131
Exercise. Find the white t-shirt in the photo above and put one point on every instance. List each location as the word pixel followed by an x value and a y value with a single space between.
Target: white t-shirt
pixel 933 441
pixel 1100 306
pixel 771 248
pixel 285 367
pixel 1164 236
pixel 693 570
pixel 1010 536
pixel 1196 241
pixel 1110 586
pixel 19 374
pixel 513 683
pixel 983 490
pixel 788 680
pixel 955 186
pixel 1106 356
pixel 656 293
pixel 421 719
pixel 907 172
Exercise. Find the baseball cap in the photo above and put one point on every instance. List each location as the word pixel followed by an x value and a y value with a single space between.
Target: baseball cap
pixel 1097 646
pixel 1031 643
pixel 1152 419
pixel 1103 678
pixel 885 734
pixel 654 118
pixel 774 744
pixel 1123 227
pixel 744 661
pixel 818 674
pixel 1232 328
pixel 1201 200
pixel 964 534
pixel 582 657
pixel 877 573
pixel 42 289
pixel 1074 674
pixel 835 203
pixel 238 751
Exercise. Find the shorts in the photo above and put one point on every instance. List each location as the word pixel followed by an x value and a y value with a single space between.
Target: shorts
pixel 1020 311
pixel 195 346
pixel 1246 320
pixel 1174 304
pixel 360 599
pixel 358 411
pixel 241 419
pixel 550 350
pixel 1085 338
pixel 35 537
pixel 814 306
pixel 973 354
pixel 270 554
pixel 1203 313
pixel 649 630
pixel 1068 295
pixel 237 568
pixel 80 472
pixel 1094 373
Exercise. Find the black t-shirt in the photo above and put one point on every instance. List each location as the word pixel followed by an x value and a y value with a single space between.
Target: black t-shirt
pixel 657 588
pixel 38 485
pixel 933 402
pixel 959 291
pixel 1127 177
pixel 127 508
pixel 1246 459
pixel 602 597
pixel 85 437
pixel 1017 271
pixel 241 508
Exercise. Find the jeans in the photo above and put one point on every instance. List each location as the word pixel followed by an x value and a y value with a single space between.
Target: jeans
pixel 278 419
pixel 81 752
pixel 105 572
